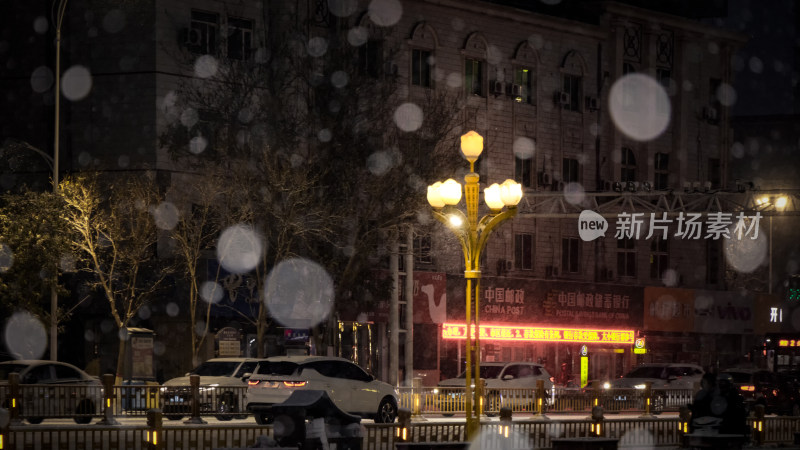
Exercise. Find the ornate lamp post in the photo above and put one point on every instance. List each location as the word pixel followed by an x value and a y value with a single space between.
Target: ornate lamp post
pixel 473 234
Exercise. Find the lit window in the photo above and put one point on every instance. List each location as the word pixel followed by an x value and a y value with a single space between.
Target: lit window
pixel 524 84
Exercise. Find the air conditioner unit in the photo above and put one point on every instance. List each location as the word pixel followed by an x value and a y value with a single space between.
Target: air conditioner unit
pixel 551 271
pixel 545 179
pixel 509 264
pixel 191 37
pixel 605 274
pixel 496 87
pixel 710 113
pixel 592 103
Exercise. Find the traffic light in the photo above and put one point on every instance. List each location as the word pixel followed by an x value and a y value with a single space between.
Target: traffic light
pixel 793 288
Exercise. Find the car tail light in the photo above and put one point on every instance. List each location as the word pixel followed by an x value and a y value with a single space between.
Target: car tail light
pixel 253 382
pixel 748 388
pixel 294 383
pixel 552 379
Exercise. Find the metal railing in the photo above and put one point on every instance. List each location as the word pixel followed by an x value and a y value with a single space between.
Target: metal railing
pixel 450 400
pixel 632 433
pixel 83 402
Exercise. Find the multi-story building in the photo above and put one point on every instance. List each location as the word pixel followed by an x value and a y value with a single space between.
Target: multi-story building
pixel 599 106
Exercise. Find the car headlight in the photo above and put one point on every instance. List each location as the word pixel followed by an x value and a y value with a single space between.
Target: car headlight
pixel 435 391
pixel 606 385
pixel 639 386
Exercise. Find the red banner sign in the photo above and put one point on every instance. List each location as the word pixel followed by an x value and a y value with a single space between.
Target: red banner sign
pixel 541 334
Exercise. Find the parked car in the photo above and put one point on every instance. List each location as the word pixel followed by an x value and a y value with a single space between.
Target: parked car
pixel 51 389
pixel 351 388
pixel 223 382
pixel 672 384
pixel 778 394
pixel 504 382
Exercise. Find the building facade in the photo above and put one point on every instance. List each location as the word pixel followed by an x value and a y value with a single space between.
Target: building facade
pixel 605 107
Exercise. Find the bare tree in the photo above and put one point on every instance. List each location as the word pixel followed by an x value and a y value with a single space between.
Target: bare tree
pixel 325 171
pixel 116 242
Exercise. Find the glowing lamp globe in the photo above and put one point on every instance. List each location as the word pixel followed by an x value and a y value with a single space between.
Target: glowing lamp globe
pixel 511 192
pixel 491 195
pixel 434 197
pixel 450 191
pixel 471 146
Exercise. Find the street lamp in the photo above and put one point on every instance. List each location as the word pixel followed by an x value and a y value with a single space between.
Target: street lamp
pixel 58 18
pixel 473 234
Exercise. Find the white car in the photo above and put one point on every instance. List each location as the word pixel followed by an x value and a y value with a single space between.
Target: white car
pixel 672 384
pixel 661 376
pixel 350 388
pixel 52 389
pixel 505 382
pixel 223 382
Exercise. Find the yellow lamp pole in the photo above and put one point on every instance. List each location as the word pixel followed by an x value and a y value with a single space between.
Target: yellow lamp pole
pixel 473 234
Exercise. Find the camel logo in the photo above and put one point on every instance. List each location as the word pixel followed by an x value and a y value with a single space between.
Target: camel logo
pixel 591 225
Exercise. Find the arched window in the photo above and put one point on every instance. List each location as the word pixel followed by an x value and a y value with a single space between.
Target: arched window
pixel 525 71
pixel 423 44
pixel 475 65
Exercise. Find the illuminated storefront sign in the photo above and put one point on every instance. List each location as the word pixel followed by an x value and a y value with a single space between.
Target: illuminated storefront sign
pixel 788 342
pixel 541 334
